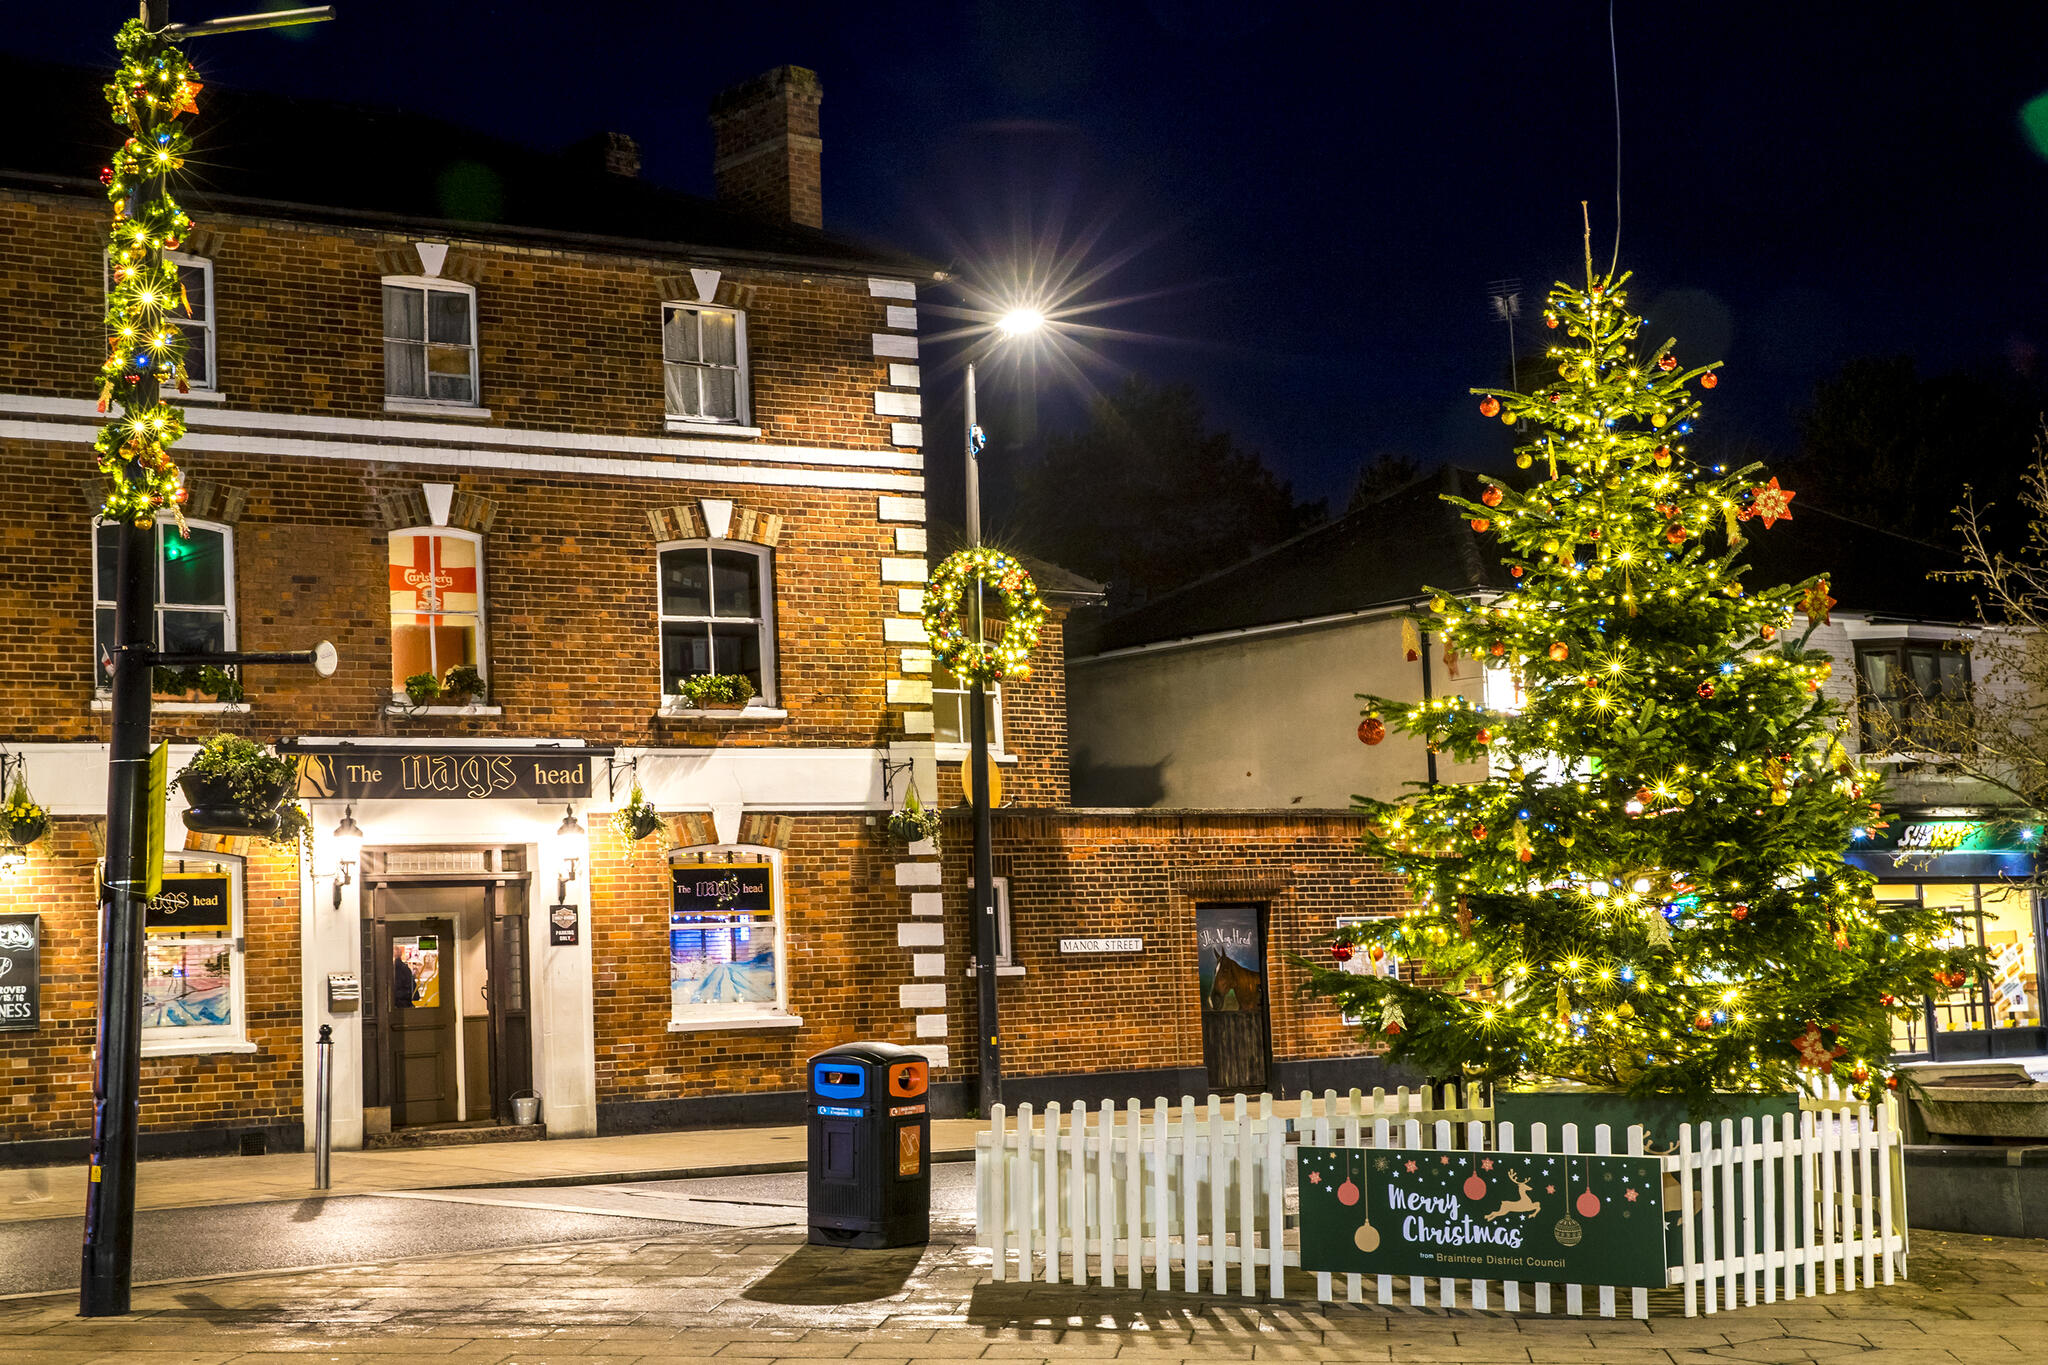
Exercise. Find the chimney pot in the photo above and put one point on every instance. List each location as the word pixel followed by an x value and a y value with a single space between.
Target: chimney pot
pixel 766 149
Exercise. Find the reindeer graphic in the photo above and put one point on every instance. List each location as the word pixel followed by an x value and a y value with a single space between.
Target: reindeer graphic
pixel 1521 1203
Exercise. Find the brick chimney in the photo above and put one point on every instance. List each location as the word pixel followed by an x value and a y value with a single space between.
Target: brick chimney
pixel 766 151
pixel 613 153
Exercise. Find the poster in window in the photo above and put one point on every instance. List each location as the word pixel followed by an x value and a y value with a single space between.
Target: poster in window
pixel 187 985
pixel 721 935
pixel 20 973
pixel 1232 961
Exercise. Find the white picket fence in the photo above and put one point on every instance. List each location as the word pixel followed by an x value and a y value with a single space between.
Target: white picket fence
pixel 1079 1195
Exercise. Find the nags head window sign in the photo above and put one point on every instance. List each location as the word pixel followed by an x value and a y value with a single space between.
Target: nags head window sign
pixel 721 936
pixel 189 903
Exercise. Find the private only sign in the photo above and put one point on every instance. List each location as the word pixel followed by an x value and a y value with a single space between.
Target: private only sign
pixel 1536 1217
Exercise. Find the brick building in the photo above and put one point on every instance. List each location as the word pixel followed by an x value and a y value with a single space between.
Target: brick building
pixel 531 414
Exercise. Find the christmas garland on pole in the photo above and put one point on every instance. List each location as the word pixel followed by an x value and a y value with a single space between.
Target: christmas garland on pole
pixel 946 619
pixel 152 88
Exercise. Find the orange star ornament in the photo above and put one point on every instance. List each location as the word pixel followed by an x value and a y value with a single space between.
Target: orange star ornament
pixel 1771 502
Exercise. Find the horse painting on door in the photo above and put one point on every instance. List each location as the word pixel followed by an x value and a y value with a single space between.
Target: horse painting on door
pixel 1230 942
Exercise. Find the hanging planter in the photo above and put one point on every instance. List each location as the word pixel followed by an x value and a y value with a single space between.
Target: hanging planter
pixel 239 787
pixel 914 822
pixel 22 821
pixel 637 818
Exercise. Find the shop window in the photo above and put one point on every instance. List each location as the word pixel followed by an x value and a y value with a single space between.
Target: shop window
pixel 1914 697
pixel 195 277
pixel 430 342
pixel 952 714
pixel 193 589
pixel 718 613
pixel 725 939
pixel 192 974
pixel 437 596
pixel 1361 963
pixel 704 364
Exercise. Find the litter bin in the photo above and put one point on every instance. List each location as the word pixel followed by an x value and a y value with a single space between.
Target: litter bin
pixel 870 1146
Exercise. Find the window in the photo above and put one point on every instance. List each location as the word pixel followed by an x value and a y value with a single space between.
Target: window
pixel 195 277
pixel 1006 949
pixel 194 589
pixel 1914 696
pixel 952 716
pixel 717 613
pixel 725 941
pixel 192 974
pixel 704 363
pixel 430 342
pixel 1361 963
pixel 437 594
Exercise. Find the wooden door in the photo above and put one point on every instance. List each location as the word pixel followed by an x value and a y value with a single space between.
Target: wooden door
pixel 420 1019
pixel 1230 943
pixel 511 1028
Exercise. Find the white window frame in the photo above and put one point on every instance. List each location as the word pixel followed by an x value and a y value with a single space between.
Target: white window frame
pixel 187 326
pixel 1389 966
pixel 957 748
pixel 432 284
pixel 1006 933
pixel 742 399
pixel 710 1018
pixel 764 623
pixel 101 685
pixel 234 1036
pixel 483 639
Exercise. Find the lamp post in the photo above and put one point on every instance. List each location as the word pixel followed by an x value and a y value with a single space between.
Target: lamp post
pixel 1019 322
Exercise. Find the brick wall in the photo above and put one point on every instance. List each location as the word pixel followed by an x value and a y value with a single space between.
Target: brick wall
pixel 1034 730
pixel 1107 874
pixel 48 1073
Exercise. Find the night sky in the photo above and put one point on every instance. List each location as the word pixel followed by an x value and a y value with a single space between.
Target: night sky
pixel 1298 209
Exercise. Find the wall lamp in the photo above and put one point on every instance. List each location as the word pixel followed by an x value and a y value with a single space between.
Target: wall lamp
pixel 348 852
pixel 575 848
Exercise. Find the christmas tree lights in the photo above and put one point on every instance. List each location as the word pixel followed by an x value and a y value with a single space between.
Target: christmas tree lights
pixel 1648 891
pixel 152 88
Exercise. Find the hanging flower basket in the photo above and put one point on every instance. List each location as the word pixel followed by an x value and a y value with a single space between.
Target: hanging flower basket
pixel 237 786
pixel 637 818
pixel 947 619
pixel 22 821
pixel 914 822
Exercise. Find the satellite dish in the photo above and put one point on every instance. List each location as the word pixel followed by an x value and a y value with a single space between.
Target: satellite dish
pixel 325 660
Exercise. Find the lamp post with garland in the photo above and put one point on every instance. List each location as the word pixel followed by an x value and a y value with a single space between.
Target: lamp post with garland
pixel 962 581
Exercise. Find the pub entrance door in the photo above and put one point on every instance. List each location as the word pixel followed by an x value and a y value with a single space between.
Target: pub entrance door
pixel 1237 1044
pixel 446 1034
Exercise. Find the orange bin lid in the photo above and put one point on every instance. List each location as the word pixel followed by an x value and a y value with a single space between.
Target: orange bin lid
pixel 908 1079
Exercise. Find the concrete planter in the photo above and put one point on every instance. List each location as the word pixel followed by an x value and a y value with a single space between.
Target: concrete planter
pixel 2013 1113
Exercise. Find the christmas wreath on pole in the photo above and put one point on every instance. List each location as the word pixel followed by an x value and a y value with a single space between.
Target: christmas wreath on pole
pixel 946 618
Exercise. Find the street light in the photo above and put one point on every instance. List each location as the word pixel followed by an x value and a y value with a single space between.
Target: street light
pixel 1018 322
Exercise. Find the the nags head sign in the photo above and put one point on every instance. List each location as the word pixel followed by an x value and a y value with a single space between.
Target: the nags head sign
pixel 1528 1216
pixel 368 774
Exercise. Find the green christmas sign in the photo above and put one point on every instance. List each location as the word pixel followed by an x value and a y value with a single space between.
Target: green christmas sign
pixel 1530 1216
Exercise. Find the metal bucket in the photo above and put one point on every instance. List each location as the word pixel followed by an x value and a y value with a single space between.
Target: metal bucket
pixel 525 1108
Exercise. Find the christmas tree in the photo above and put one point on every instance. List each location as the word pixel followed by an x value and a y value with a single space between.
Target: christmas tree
pixel 1648 892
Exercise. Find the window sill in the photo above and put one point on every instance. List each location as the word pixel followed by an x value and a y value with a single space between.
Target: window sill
pixel 197 1047
pixel 670 711
pixel 685 427
pixel 1002 970
pixel 183 708
pixel 411 408
pixel 954 752
pixel 475 708
pixel 736 1022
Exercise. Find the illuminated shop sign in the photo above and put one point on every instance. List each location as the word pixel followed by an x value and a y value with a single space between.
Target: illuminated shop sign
pixel 1913 848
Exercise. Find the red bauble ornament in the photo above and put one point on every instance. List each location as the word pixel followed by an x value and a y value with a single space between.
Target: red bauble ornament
pixel 1740 912
pixel 1706 689
pixel 1475 1187
pixel 1663 455
pixel 1479 831
pixel 1559 651
pixel 1480 524
pixel 1489 406
pixel 1588 1204
pixel 1341 951
pixel 1667 362
pixel 1676 535
pixel 1491 497
pixel 1861 1074
pixel 1769 632
pixel 1496 648
pixel 1516 571
pixel 1485 736
pixel 1371 730
pixel 1708 380
pixel 1549 320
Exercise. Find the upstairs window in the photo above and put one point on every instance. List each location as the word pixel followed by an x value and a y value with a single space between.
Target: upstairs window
pixel 195 277
pixel 704 363
pixel 430 342
pixel 193 589
pixel 1915 696
pixel 717 613
pixel 437 596
pixel 953 715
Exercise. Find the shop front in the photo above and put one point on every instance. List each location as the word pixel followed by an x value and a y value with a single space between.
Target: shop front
pixel 1978 866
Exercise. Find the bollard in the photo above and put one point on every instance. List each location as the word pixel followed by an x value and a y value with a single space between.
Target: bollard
pixel 323 1111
